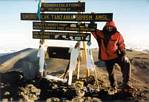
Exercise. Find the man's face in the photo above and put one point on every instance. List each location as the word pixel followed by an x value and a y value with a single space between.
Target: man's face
pixel 109 28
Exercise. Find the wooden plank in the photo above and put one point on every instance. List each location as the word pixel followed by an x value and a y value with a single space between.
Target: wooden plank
pixel 64 26
pixel 86 17
pixel 63 7
pixel 62 36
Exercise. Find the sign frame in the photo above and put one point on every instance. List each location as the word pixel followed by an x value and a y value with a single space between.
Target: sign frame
pixel 63 7
pixel 61 36
pixel 64 26
pixel 85 17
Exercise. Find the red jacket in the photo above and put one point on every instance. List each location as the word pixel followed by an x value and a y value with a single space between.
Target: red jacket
pixel 115 44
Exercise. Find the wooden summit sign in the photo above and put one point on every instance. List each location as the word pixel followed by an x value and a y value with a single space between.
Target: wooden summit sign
pixel 68 17
pixel 63 7
pixel 76 17
pixel 62 36
pixel 64 26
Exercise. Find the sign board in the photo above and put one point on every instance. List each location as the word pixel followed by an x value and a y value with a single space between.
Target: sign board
pixel 64 26
pixel 62 36
pixel 58 52
pixel 68 17
pixel 63 7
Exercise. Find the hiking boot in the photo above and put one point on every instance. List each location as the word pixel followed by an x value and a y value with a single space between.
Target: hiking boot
pixel 112 90
pixel 128 88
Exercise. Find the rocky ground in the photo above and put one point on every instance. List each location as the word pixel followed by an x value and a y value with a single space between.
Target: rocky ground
pixel 24 86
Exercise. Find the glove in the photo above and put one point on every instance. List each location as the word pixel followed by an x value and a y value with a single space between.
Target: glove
pixel 121 53
pixel 125 58
pixel 92 22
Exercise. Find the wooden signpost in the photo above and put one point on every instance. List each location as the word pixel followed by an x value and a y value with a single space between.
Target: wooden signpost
pixel 76 17
pixel 86 17
pixel 63 7
pixel 64 26
pixel 61 30
pixel 62 36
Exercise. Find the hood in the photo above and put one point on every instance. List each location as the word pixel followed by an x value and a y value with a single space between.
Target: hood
pixel 110 23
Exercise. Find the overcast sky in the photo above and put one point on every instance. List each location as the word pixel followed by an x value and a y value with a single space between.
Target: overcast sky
pixel 131 17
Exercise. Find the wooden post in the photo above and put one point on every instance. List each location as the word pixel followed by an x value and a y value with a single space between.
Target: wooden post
pixel 46 53
pixel 78 63
pixel 78 69
pixel 85 59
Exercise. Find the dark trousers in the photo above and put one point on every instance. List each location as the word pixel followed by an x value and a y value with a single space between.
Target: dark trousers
pixel 125 69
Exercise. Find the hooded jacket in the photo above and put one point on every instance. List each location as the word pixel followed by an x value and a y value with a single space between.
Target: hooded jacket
pixel 115 46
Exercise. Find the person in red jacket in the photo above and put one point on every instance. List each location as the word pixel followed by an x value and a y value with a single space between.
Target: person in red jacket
pixel 112 51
